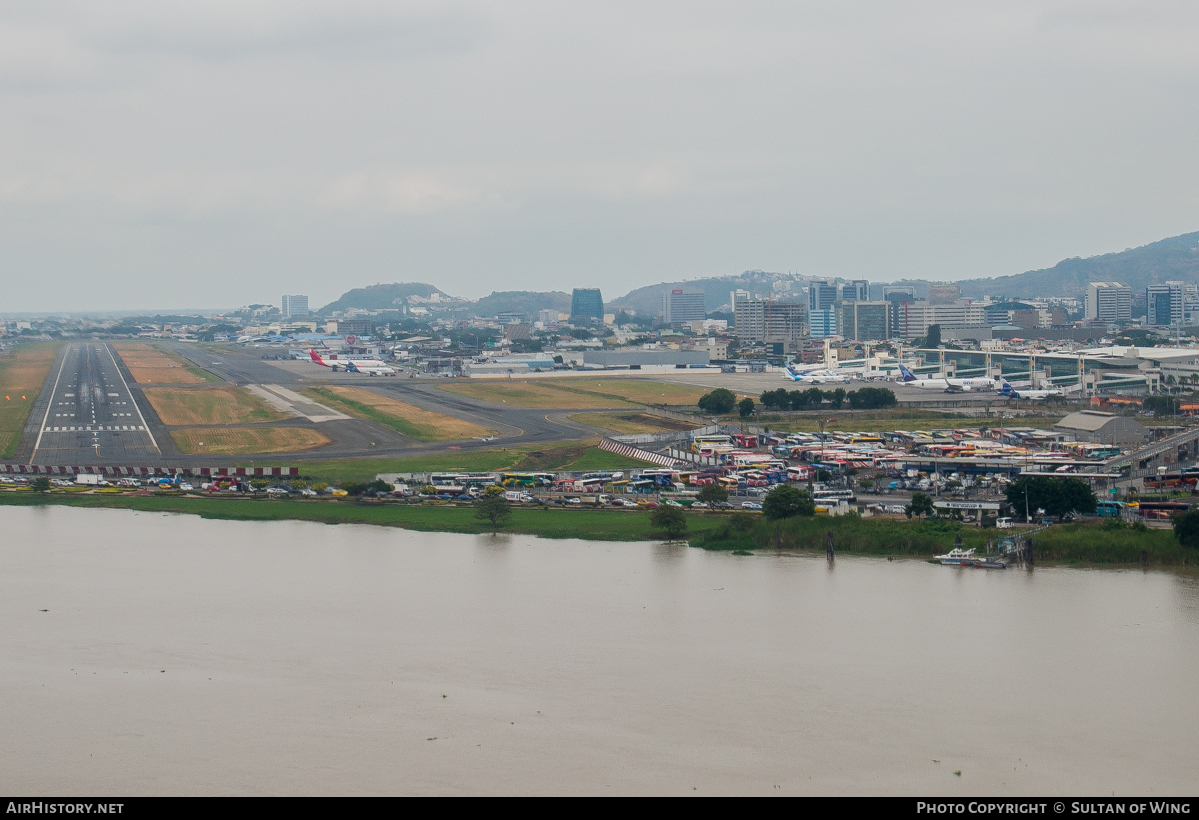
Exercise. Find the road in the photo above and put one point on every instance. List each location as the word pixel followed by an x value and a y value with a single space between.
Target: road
pixel 86 414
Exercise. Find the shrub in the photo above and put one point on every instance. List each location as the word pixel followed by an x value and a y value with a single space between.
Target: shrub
pixel 745 407
pixel 785 501
pixel 719 401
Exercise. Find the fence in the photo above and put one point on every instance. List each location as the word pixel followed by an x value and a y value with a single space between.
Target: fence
pixel 42 469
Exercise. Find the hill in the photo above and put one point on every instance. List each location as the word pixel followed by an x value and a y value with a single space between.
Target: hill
pixel 527 302
pixel 647 301
pixel 1176 258
pixel 378 297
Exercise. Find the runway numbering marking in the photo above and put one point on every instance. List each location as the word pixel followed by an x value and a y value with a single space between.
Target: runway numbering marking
pixel 22 374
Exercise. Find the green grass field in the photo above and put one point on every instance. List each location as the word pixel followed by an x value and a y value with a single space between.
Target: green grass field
pixel 591 524
pixel 1082 544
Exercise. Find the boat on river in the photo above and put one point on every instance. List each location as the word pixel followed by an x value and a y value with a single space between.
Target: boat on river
pixel 958 557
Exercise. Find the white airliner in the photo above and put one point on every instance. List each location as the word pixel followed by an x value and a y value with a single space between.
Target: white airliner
pixel 1009 392
pixel 371 367
pixel 814 374
pixel 953 385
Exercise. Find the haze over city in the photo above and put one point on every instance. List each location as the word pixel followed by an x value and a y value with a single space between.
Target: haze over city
pixel 159 157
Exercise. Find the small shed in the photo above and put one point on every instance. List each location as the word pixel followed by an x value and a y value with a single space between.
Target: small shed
pixel 1094 426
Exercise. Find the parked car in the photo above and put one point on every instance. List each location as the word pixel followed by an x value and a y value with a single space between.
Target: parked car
pixel 750 505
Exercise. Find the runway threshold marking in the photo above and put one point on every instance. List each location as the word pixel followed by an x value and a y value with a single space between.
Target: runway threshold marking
pixel 130 394
pixel 53 393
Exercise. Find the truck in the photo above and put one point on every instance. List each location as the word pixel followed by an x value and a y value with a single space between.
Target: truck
pixel 90 480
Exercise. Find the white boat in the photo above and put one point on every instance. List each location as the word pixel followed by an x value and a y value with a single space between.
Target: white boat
pixel 958 557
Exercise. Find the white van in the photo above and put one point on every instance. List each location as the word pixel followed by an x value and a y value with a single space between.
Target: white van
pixel 1003 524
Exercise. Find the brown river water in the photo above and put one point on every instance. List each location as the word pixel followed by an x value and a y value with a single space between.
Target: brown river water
pixel 184 656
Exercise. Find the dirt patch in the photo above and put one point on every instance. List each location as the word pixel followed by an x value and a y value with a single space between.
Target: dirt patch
pixel 209 405
pixel 236 441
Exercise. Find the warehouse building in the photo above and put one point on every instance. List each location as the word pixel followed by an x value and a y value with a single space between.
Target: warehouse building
pixel 1094 426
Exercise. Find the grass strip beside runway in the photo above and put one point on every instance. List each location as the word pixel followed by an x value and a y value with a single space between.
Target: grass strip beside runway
pixel 575 392
pixel 235 441
pixel 633 423
pixel 23 371
pixel 405 419
pixel 151 365
pixel 225 404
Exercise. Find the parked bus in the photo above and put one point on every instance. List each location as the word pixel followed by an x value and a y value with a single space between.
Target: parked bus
pixel 1109 509
pixel 527 479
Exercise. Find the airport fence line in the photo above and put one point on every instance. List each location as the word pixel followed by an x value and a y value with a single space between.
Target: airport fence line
pixel 92 469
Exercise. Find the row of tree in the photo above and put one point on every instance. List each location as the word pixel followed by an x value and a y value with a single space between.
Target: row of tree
pixel 865 398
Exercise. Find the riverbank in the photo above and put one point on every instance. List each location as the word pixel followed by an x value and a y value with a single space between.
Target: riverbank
pixel 1079 543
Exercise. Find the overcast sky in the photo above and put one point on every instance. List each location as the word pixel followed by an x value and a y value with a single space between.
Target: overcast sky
pixel 176 155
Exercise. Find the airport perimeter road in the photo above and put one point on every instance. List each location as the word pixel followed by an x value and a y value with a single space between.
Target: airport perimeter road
pixel 87 414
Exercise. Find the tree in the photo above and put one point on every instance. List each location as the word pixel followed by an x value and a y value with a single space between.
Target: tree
pixel 812 397
pixel 719 401
pixel 871 398
pixel 493 507
pixel 368 488
pixel 836 397
pixel 1186 529
pixel 671 519
pixel 785 501
pixel 260 483
pixel 745 407
pixel 933 337
pixel 320 487
pixel 41 484
pixel 1056 496
pixel 780 398
pixel 922 504
pixel 713 494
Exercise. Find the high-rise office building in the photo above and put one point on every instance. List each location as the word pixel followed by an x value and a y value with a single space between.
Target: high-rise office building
pixel 856 290
pixel 823 323
pixel 765 320
pixel 897 297
pixel 1165 304
pixel 865 321
pixel 822 294
pixel 679 307
pixel 294 306
pixel 1108 302
pixel 586 305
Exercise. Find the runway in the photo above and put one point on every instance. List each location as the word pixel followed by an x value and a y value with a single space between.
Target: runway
pixel 87 414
